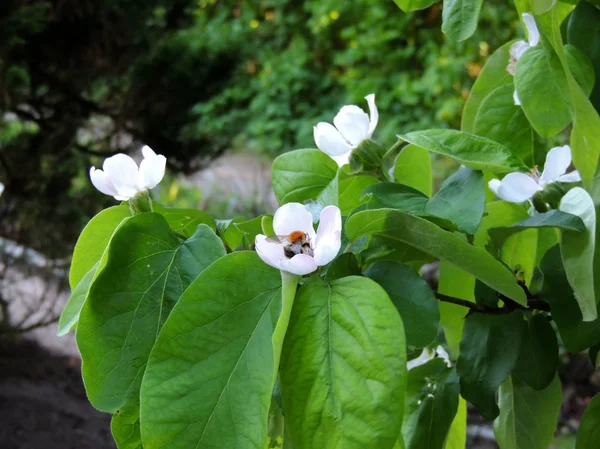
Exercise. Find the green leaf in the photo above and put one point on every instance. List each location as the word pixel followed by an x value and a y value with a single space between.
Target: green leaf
pixel 581 68
pixel 185 221
pixel 396 196
pixel 553 219
pixel 126 433
pixel 344 265
pixel 538 358
pixel 431 404
pixel 147 269
pixel 499 119
pixel 414 5
pixel 93 241
pixel 301 175
pixel 413 168
pixel 460 18
pixel 70 313
pixel 476 152
pixel 576 334
pixel 545 103
pixel 577 249
pixel 413 298
pixel 457 436
pixel 589 431
pixel 492 76
pixel 527 417
pixel 461 199
pixel 541 6
pixel 488 352
pixel 212 366
pixel 429 238
pixel 345 341
pixel 345 190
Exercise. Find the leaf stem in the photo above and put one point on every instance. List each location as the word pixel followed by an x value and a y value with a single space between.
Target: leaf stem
pixel 289 283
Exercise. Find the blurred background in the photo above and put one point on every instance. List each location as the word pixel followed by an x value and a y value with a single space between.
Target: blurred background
pixel 218 87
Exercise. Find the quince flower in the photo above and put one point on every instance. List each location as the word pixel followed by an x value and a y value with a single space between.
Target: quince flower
pixel 121 178
pixel 520 47
pixel 519 187
pixel 352 126
pixel 296 248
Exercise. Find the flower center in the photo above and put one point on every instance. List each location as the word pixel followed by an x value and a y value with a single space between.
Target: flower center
pixel 535 174
pixel 295 243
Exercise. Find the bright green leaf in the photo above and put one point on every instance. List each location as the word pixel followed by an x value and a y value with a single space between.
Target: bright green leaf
pixel 70 313
pixel 413 298
pixel 413 168
pixel 460 18
pixel 476 152
pixel 457 436
pixel 589 431
pixel 414 5
pixel 541 6
pixel 185 221
pixel 125 433
pixel 345 341
pixel 488 352
pixel 212 366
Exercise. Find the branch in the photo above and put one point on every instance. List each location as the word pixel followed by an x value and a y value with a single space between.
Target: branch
pixel 510 306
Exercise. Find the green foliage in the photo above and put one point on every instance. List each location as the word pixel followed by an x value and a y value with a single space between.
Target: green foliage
pixel 588 431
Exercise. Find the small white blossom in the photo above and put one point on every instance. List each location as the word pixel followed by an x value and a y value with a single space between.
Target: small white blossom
pixel 520 47
pixel 317 249
pixel 121 178
pixel 352 126
pixel 519 187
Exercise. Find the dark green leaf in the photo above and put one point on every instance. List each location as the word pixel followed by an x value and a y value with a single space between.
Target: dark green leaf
pixel 429 238
pixel 589 431
pixel 461 199
pixel 345 341
pixel 301 175
pixel 460 18
pixel 344 265
pixel 488 352
pixel 581 68
pixel 527 417
pixel 147 269
pixel 212 366
pixel 413 298
pixel 185 221
pixel 396 196
pixel 538 358
pixel 431 403
pixel 476 152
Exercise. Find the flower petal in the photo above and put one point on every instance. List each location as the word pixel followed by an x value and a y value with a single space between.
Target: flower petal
pixel 574 176
pixel 270 252
pixel 373 114
pixel 494 185
pixel 516 98
pixel 152 168
pixel 293 217
pixel 343 159
pixel 533 34
pixel 300 264
pixel 329 235
pixel 517 187
pixel 329 140
pixel 352 123
pixel 102 183
pixel 123 172
pixel 516 51
pixel 557 162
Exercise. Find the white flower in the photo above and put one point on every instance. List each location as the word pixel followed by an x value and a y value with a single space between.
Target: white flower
pixel 519 187
pixel 300 251
pixel 121 178
pixel 520 47
pixel 1 189
pixel 352 126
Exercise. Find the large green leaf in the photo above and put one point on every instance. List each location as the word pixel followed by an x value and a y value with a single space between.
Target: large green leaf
pixel 302 175
pixel 413 5
pixel 457 435
pixel 460 18
pixel 147 269
pixel 541 6
pixel 499 119
pixel 577 249
pixel 576 334
pixel 538 357
pixel 527 417
pixel 488 352
pixel 413 168
pixel 581 68
pixel 209 378
pixel 412 297
pixel 93 240
pixel 460 199
pixel 126 433
pixel 444 245
pixel 545 103
pixel 476 152
pixel 70 313
pixel 343 369
pixel 589 431
pixel 396 196
pixel 492 76
pixel 185 221
pixel 431 404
